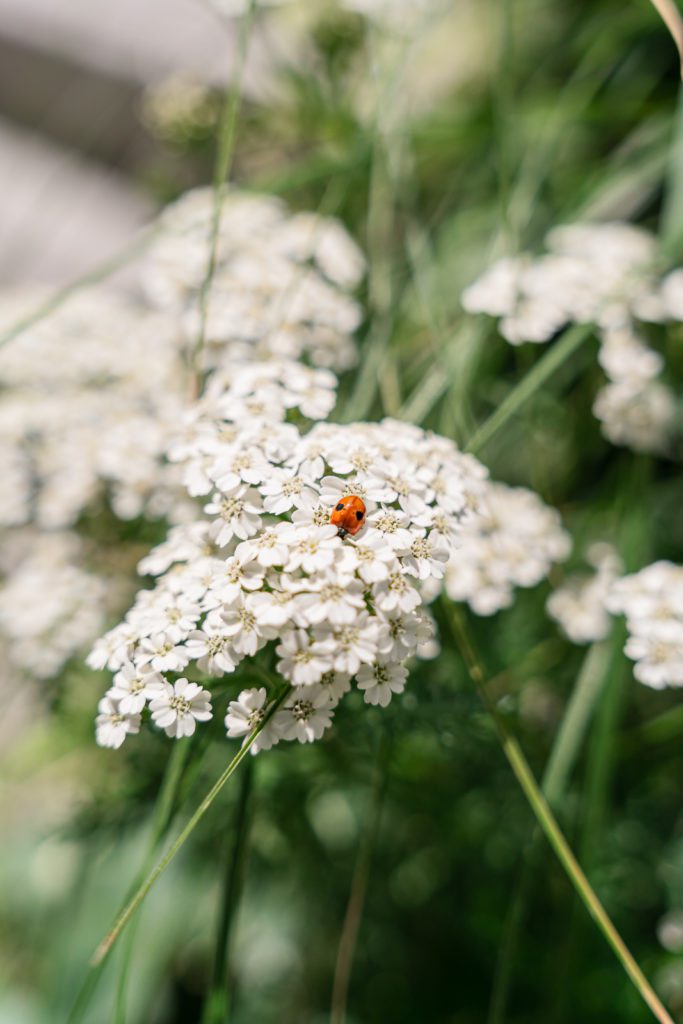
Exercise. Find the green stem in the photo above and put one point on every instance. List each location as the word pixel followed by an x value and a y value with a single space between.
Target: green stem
pixel 570 735
pixel 358 891
pixel 98 273
pixel 124 917
pixel 162 818
pixel 548 823
pixel 562 759
pixel 160 822
pixel 548 364
pixel 226 145
pixel 217 1005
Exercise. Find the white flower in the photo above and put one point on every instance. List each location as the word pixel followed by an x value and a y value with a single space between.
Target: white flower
pixel 245 714
pixel 658 654
pixel 313 551
pixel 174 616
pixel 371 556
pixel 303 661
pixel 380 681
pixel 348 647
pixel 111 725
pixel 334 598
pixel 284 489
pixel 512 542
pixel 133 687
pixel 637 414
pixel 425 557
pixel 400 635
pixel 212 650
pixel 652 601
pixel 336 684
pixel 392 527
pixel 163 653
pixel 395 593
pixel 267 548
pixel 234 577
pixel 305 715
pixel 246 633
pixel 580 604
pixel 238 515
pixel 179 706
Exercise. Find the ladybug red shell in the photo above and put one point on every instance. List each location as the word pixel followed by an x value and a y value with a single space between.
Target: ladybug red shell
pixel 348 515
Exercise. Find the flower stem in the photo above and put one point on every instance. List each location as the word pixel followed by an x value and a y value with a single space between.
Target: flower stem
pixel 358 890
pixel 124 917
pixel 163 814
pixel 548 823
pixel 217 1004
pixel 570 736
pixel 160 822
pixel 548 364
pixel 224 152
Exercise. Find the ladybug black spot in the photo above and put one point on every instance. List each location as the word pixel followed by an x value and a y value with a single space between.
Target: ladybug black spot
pixel 340 506
pixel 359 516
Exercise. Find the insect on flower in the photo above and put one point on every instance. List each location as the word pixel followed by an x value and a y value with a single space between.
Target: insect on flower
pixel 348 515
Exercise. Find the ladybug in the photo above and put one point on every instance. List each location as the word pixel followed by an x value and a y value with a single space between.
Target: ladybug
pixel 348 515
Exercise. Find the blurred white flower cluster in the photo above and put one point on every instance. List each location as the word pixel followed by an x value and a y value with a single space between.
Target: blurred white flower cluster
pixel 603 274
pixel 512 542
pixel 280 284
pixel 90 396
pixel 267 569
pixel 93 393
pixel 652 601
pixel 579 605
pixel 50 606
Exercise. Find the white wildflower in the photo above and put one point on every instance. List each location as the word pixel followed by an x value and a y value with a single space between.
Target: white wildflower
pixel 178 707
pixel 112 725
pixel 380 681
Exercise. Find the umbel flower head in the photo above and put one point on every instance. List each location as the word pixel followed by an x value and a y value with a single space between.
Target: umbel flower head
pixel 602 274
pixel 265 570
pixel 280 286
pixel 652 601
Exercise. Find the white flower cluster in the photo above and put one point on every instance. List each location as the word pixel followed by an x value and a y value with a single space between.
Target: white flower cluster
pixel 579 605
pixel 50 607
pixel 652 601
pixel 91 395
pixel 602 274
pixel 280 285
pixel 266 569
pixel 512 542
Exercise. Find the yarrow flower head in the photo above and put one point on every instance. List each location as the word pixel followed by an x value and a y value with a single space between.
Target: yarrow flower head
pixel 281 282
pixel 579 605
pixel 511 543
pixel 603 274
pixel 652 601
pixel 266 569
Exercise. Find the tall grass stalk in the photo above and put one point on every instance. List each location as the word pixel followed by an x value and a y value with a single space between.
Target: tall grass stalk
pixel 224 151
pixel 549 363
pixel 127 913
pixel 548 823
pixel 563 756
pixel 218 999
pixel 359 886
pixel 161 821
pixel 163 816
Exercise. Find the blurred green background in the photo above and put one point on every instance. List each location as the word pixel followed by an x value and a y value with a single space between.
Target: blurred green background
pixel 440 151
